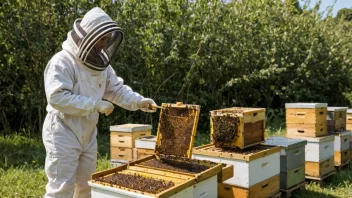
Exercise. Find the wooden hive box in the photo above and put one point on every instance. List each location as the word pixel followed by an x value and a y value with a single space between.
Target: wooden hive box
pixel 264 189
pixel 319 169
pixel 183 185
pixel 349 119
pixel 175 136
pixel 238 127
pixel 342 157
pixel 306 119
pixel 292 160
pixel 122 140
pixel 336 118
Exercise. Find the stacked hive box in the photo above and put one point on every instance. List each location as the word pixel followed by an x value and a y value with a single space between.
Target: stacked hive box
pixel 349 127
pixel 122 141
pixel 144 147
pixel 170 162
pixel 236 134
pixel 336 118
pixel 342 148
pixel 349 119
pixel 292 162
pixel 307 121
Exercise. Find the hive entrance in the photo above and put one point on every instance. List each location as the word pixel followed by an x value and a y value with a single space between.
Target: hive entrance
pixel 176 127
pixel 225 130
pixel 137 182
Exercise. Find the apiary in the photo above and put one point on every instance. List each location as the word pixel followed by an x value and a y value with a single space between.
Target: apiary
pixel 306 119
pixel 336 118
pixel 237 127
pixel 255 169
pixel 173 150
pixel 292 160
pixel 127 182
pixel 349 119
pixel 122 140
pixel 144 147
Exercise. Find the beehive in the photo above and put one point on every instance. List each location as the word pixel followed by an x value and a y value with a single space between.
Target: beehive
pixel 349 119
pixel 175 137
pixel 182 184
pixel 238 127
pixel 251 165
pixel 336 118
pixel 144 147
pixel 292 160
pixel 319 155
pixel 341 140
pixel 306 119
pixel 122 140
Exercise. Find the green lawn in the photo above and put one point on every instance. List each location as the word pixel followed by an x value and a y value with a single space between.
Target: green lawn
pixel 22 168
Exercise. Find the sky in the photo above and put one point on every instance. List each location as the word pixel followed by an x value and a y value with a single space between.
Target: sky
pixel 326 3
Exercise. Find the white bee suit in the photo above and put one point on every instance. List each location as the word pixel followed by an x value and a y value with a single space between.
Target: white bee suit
pixel 74 83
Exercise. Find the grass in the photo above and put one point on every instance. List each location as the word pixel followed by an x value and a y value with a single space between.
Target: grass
pixel 22 168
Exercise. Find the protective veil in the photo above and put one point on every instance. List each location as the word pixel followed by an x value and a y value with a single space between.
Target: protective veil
pixel 75 79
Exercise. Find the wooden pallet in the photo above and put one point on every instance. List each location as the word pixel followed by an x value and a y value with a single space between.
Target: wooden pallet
pixel 320 179
pixel 286 193
pixel 342 166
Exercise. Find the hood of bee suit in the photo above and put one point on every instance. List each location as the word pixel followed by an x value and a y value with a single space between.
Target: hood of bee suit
pixel 87 31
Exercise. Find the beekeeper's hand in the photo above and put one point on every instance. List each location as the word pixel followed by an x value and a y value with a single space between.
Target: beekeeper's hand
pixel 104 107
pixel 145 105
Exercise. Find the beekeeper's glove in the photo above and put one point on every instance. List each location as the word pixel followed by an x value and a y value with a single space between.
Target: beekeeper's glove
pixel 104 107
pixel 145 105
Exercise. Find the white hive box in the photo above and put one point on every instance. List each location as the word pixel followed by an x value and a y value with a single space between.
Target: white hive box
pixel 342 140
pixel 146 142
pixel 318 148
pixel 248 169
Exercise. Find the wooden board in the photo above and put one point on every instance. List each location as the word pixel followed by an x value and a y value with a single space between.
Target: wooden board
pixel 226 173
pixel 262 189
pixel 250 129
pixel 342 157
pixel 306 116
pixel 127 140
pixel 319 169
pixel 307 129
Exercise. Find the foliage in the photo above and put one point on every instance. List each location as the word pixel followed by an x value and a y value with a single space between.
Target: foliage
pixel 345 13
pixel 212 53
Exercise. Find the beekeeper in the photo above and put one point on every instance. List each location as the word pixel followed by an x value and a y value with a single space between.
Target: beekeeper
pixel 80 84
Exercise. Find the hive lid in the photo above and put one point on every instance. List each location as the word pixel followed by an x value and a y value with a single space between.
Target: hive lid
pixel 149 138
pixel 177 129
pixel 337 108
pixel 130 127
pixel 287 143
pixel 305 105
pixel 349 110
pixel 325 138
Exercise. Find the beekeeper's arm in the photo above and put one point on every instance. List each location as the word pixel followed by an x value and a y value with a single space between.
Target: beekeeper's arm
pixel 123 95
pixel 59 80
